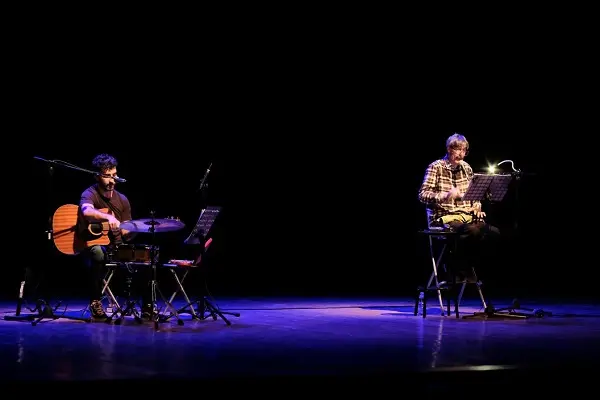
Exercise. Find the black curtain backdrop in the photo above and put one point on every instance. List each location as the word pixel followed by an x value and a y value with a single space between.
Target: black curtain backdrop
pixel 316 169
pixel 301 214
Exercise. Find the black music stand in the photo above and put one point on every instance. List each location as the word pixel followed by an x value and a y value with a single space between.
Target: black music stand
pixel 203 226
pixel 493 188
pixel 198 237
pixel 488 187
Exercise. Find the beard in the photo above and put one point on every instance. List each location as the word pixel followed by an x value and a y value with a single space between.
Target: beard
pixel 108 188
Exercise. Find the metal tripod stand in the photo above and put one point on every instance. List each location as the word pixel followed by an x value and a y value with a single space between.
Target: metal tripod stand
pixel 205 306
pixel 510 312
pixel 42 309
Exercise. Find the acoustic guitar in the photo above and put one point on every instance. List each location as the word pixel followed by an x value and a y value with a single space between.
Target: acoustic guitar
pixel 71 241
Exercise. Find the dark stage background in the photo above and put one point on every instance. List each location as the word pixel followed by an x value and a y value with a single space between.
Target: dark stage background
pixel 301 215
pixel 318 147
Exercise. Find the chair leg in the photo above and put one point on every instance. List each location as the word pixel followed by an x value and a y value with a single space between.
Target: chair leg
pixel 459 299
pixel 106 289
pixel 479 289
pixel 188 303
pixel 434 275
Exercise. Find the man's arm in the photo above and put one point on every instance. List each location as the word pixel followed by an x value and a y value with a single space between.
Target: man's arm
pixel 427 191
pixel 127 235
pixel 93 215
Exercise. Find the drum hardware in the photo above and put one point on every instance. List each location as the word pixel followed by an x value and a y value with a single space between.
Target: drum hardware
pixel 130 308
pixel 153 225
pixel 137 253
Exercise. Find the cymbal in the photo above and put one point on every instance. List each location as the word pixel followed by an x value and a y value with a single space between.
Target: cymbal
pixel 146 224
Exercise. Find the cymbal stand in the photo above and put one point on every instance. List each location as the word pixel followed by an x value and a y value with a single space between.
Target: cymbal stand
pixel 154 315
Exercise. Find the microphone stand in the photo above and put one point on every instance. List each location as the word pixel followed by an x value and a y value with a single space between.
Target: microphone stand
pixel 42 306
pixel 65 164
pixel 203 185
pixel 198 235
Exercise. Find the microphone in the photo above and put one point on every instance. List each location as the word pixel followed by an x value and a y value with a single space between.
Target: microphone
pixel 116 178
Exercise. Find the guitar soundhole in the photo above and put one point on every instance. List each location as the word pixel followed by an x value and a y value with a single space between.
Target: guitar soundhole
pixel 96 229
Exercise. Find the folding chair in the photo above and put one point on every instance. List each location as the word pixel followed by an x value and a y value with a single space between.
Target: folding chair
pixel 106 291
pixel 115 307
pixel 186 266
pixel 204 305
pixel 442 245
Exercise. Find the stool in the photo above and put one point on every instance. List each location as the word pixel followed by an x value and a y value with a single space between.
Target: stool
pixel 448 239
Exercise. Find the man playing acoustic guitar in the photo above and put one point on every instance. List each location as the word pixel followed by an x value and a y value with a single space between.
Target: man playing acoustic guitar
pixel 95 200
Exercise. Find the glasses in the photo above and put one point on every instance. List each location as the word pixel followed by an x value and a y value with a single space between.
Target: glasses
pixel 460 149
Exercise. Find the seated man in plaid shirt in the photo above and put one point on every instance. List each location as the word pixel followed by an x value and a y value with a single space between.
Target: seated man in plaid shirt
pixel 446 181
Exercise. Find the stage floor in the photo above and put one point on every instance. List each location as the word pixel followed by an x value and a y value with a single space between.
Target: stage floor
pixel 347 340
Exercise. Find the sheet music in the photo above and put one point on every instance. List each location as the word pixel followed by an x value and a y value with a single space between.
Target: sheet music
pixel 205 221
pixel 499 186
pixel 478 187
pixel 494 184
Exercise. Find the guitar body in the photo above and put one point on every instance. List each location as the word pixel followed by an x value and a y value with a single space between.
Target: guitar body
pixel 68 240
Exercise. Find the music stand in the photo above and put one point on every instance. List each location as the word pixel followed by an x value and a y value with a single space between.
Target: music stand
pixel 493 188
pixel 488 187
pixel 198 237
pixel 203 226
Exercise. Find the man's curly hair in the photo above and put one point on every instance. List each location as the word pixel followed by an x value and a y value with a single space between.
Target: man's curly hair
pixel 104 162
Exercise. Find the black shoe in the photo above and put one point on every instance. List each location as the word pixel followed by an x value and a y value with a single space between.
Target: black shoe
pixel 97 310
pixel 147 311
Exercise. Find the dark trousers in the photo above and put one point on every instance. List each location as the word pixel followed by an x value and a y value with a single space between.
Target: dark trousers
pixel 476 246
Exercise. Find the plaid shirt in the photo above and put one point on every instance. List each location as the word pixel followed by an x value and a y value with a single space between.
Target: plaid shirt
pixel 439 179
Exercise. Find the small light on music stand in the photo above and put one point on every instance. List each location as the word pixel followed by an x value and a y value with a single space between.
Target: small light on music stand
pixel 491 169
